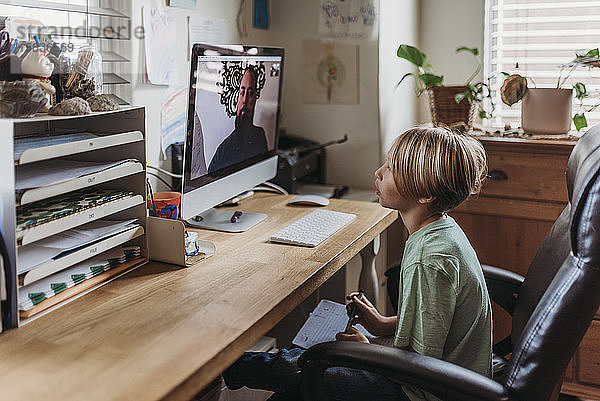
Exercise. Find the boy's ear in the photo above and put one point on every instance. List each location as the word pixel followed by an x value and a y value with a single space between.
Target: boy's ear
pixel 425 201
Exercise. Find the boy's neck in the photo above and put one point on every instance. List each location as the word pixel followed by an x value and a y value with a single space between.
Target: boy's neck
pixel 418 217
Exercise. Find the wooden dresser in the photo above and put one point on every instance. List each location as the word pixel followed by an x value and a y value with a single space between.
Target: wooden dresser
pixel 507 222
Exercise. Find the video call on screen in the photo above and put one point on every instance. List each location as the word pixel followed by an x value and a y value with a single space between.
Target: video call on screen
pixel 236 106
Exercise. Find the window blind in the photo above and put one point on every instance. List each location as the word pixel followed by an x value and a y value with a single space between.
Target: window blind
pixel 534 38
pixel 79 22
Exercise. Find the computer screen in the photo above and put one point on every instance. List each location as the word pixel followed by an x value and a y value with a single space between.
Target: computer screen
pixel 234 102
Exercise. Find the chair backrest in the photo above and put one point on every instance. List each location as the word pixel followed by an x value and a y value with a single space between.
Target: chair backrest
pixel 558 300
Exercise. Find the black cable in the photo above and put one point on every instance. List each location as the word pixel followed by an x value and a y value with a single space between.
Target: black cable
pixel 8 320
pixel 161 179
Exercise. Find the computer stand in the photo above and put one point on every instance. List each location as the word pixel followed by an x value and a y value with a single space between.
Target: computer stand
pixel 221 220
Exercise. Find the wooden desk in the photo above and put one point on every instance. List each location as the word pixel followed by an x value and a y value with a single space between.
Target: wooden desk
pixel 163 332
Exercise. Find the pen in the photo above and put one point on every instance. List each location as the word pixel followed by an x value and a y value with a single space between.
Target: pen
pixel 353 313
pixel 236 216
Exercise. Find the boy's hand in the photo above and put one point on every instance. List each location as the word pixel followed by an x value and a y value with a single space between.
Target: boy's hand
pixel 369 317
pixel 354 335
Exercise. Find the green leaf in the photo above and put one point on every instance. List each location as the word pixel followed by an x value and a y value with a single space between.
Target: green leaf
pixel 473 50
pixel 482 114
pixel 580 121
pixel 459 97
pixel 431 79
pixel 411 54
pixel 506 74
pixel 580 90
pixel 593 53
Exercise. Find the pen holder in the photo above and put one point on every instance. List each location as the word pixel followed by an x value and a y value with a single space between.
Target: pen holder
pixel 167 204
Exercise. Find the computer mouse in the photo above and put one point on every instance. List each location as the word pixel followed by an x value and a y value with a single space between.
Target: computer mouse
pixel 311 200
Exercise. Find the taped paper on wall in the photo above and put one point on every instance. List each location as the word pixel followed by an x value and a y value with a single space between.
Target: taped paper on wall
pixel 348 18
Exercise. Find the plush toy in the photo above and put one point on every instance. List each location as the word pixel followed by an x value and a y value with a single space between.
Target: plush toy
pixel 37 67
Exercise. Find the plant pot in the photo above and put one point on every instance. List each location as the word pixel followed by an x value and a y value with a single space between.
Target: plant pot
pixel 445 110
pixel 547 111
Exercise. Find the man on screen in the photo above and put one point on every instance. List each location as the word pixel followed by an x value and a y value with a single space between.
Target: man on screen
pixel 247 139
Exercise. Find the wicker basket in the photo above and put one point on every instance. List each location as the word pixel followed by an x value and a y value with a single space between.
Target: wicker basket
pixel 445 110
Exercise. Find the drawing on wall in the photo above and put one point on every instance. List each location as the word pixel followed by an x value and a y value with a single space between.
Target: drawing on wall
pixel 330 72
pixel 347 18
pixel 159 49
pixel 173 117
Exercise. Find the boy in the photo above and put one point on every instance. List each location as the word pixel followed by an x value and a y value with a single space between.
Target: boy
pixel 444 310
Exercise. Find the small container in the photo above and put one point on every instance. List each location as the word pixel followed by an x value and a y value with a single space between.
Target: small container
pixel 166 204
pixel 82 72
pixel 547 111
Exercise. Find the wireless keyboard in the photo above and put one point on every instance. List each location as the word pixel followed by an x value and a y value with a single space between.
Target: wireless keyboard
pixel 312 229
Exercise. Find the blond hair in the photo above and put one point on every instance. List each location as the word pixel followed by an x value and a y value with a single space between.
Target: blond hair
pixel 437 163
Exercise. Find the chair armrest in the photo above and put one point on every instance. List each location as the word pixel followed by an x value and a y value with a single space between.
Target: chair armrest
pixel 503 286
pixel 441 378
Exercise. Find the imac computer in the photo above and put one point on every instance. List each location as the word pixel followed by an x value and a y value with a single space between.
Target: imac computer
pixel 232 130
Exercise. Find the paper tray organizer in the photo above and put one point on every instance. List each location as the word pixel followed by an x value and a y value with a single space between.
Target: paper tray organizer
pixel 106 137
pixel 166 243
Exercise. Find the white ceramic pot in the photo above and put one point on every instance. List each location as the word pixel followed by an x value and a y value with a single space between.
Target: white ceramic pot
pixel 547 111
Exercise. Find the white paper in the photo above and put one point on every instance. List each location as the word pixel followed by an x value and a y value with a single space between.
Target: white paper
pixel 328 319
pixel 206 30
pixel 33 255
pixel 58 171
pixel 23 144
pixel 161 61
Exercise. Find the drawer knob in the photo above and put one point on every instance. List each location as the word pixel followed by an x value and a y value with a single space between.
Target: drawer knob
pixel 497 175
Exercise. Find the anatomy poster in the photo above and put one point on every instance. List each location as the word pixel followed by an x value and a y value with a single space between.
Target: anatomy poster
pixel 330 72
pixel 347 18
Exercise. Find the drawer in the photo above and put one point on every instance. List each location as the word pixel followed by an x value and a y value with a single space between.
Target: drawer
pixel 526 176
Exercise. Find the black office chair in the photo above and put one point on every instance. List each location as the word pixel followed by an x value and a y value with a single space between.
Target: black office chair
pixel 552 309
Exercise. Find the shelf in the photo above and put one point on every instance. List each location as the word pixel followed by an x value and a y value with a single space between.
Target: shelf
pixel 79 289
pixel 117 99
pixel 51 5
pixel 36 233
pixel 85 181
pixel 112 57
pixel 37 154
pixel 110 78
pixel 79 256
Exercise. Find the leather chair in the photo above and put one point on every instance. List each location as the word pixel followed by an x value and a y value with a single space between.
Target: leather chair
pixel 552 308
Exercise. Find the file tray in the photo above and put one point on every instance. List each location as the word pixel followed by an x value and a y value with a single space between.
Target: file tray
pixel 78 290
pixel 166 243
pixel 31 150
pixel 110 174
pixel 78 256
pixel 44 221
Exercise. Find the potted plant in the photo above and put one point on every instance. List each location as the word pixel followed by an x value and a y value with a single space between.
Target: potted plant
pixel 449 105
pixel 549 110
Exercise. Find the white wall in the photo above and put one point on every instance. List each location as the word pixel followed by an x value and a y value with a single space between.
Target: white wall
pixel 354 162
pixel 398 24
pixel 444 26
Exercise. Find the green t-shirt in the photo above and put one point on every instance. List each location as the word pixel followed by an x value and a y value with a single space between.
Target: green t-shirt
pixel 444 310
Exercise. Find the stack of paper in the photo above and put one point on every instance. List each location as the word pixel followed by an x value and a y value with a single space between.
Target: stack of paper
pixel 23 144
pixel 28 176
pixel 33 255
pixel 61 206
pixel 32 294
